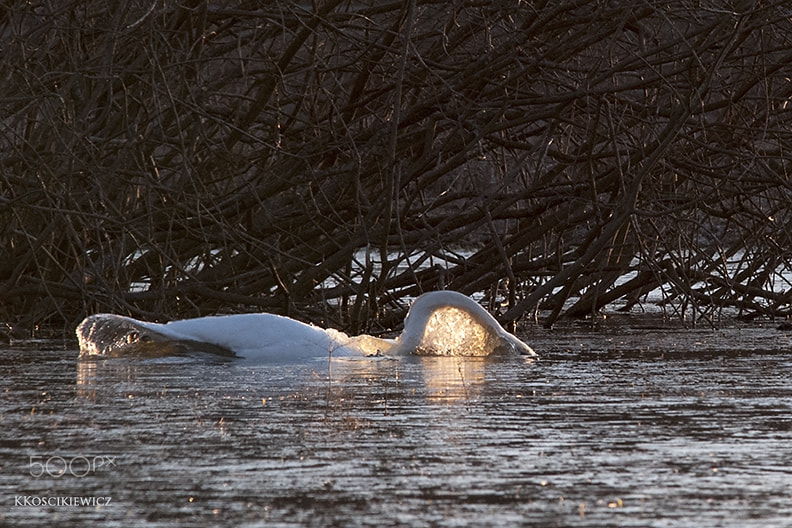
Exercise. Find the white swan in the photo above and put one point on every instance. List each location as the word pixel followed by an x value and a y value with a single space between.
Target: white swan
pixel 444 323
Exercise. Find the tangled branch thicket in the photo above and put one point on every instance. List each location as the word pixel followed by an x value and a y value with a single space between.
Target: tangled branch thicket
pixel 329 160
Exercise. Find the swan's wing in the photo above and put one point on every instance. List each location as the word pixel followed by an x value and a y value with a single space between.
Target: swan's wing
pixel 257 336
pixel 261 336
pixel 110 335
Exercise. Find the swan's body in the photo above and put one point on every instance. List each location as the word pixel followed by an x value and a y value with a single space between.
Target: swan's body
pixel 443 323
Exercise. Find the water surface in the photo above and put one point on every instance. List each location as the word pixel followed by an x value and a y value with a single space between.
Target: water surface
pixel 616 426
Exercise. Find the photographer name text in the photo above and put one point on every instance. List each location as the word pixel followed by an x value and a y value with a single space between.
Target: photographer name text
pixel 67 501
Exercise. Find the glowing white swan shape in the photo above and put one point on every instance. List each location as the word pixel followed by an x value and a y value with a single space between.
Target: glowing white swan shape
pixel 444 323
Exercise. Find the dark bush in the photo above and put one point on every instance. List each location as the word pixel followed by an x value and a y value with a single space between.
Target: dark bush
pixel 171 159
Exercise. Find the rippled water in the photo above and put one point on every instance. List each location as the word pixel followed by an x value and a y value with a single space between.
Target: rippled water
pixel 612 427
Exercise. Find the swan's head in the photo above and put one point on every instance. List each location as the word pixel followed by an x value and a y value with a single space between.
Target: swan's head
pixel 447 323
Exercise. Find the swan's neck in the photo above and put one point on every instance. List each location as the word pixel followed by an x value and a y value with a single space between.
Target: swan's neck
pixel 449 330
pixel 452 324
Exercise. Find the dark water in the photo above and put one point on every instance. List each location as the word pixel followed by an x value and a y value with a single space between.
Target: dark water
pixel 613 427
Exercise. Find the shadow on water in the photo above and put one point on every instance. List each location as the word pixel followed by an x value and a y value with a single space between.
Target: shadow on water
pixel 613 426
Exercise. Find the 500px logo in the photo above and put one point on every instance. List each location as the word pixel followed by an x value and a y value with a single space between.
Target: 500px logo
pixel 77 466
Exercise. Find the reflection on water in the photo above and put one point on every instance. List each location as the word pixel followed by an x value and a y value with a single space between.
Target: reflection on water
pixel 459 379
pixel 452 379
pixel 608 428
